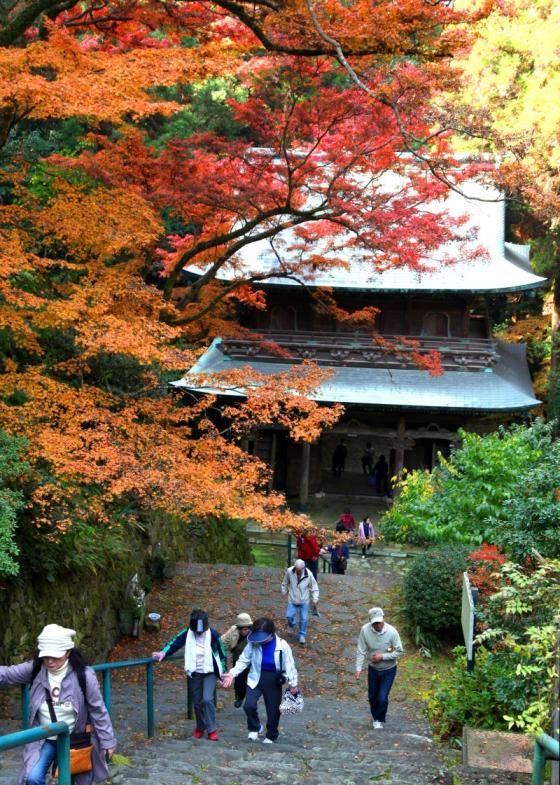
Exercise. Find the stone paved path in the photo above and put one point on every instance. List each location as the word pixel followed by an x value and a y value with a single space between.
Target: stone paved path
pixel 331 743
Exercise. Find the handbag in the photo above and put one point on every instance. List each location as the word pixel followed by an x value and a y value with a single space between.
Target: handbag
pixel 291 704
pixel 81 745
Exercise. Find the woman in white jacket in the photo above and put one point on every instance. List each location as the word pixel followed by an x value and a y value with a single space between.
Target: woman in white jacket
pixel 271 664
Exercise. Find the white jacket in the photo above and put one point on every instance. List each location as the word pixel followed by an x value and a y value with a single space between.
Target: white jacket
pixel 302 590
pixel 252 656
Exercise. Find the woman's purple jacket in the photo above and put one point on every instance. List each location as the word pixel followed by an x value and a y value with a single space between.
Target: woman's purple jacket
pixel 103 737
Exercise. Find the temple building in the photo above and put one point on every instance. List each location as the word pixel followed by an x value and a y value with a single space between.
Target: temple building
pixel 405 414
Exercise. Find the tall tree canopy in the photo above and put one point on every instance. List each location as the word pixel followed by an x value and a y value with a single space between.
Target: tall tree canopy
pixel 509 97
pixel 140 138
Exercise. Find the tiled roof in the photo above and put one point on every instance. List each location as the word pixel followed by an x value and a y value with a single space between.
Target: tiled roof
pixel 506 266
pixel 503 388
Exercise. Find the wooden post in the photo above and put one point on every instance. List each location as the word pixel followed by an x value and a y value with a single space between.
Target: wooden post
pixel 399 446
pixel 304 475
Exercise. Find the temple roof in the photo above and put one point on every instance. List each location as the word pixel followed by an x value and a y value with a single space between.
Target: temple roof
pixel 505 387
pixel 505 268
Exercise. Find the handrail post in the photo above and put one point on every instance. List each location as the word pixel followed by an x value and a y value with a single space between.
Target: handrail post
pixel 289 549
pixel 25 690
pixel 63 758
pixel 150 698
pixel 107 690
pixel 545 748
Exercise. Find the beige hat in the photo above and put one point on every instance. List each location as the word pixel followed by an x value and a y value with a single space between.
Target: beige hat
pixel 375 614
pixel 244 620
pixel 54 640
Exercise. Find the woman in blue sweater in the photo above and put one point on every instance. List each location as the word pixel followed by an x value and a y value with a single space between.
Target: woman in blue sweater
pixel 271 665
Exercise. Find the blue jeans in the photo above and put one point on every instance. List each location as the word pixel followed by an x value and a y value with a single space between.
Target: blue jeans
pixel 291 613
pixel 38 773
pixel 379 687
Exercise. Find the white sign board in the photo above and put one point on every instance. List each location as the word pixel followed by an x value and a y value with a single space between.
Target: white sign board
pixel 467 617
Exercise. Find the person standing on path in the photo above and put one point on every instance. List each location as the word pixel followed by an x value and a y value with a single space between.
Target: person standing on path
pixel 235 640
pixel 205 661
pixel 367 459
pixel 271 664
pixel 347 521
pixel 61 682
pixel 302 588
pixel 339 459
pixel 308 549
pixel 381 645
pixel 366 535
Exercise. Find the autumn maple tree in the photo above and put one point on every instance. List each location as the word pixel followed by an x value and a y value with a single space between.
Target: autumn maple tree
pixel 140 140
pixel 506 101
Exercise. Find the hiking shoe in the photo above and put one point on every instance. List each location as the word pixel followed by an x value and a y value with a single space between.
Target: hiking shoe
pixel 238 703
pixel 197 734
pixel 291 624
pixel 302 640
pixel 213 736
pixel 377 725
pixel 267 741
pixel 254 734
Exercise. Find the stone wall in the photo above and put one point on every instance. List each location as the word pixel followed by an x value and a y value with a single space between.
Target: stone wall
pixel 88 602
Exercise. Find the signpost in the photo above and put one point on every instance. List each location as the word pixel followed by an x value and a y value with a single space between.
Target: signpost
pixel 468 615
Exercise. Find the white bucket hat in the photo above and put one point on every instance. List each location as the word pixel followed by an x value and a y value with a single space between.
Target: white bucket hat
pixel 54 640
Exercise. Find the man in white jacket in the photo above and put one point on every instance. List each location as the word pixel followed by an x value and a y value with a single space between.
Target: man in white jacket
pixel 271 665
pixel 302 588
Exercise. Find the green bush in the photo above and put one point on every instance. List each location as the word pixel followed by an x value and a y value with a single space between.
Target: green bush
pixel 482 698
pixel 432 594
pixel 483 493
pixel 514 683
pixel 12 469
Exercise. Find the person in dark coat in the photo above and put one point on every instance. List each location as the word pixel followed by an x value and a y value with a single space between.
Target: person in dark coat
pixel 59 672
pixel 339 458
pixel 381 474
pixel 367 459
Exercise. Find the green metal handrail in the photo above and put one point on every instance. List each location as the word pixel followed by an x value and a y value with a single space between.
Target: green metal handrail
pixel 58 729
pixel 546 748
pixel 105 668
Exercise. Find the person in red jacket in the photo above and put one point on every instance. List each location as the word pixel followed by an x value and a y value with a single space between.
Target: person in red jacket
pixel 308 549
pixel 347 520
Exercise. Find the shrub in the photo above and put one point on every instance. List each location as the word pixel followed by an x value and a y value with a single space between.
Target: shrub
pixel 483 698
pixel 432 594
pixel 12 469
pixel 484 567
pixel 487 490
pixel 514 683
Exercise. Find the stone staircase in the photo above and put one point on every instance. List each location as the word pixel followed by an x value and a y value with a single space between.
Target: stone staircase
pixel 331 743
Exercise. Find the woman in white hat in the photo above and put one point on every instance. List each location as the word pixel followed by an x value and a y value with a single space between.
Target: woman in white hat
pixel 63 687
pixel 234 641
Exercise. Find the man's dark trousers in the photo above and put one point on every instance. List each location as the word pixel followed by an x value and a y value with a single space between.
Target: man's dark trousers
pixel 379 687
pixel 271 691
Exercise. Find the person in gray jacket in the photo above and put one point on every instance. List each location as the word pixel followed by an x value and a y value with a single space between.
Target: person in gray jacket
pixel 381 645
pixel 60 674
pixel 302 588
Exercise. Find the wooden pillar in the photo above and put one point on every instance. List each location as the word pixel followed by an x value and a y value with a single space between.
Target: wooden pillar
pixel 400 445
pixel 304 475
